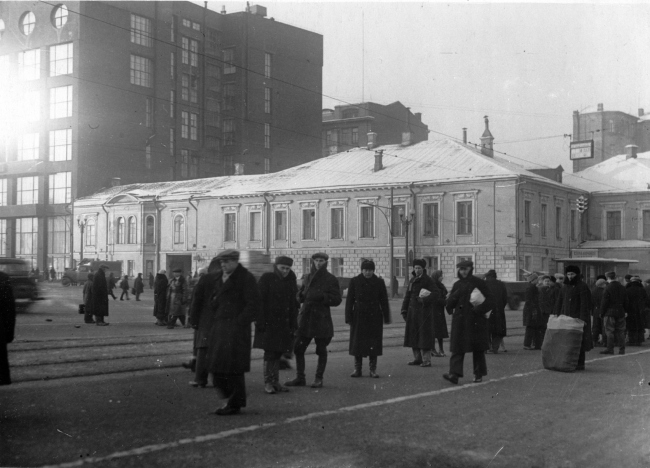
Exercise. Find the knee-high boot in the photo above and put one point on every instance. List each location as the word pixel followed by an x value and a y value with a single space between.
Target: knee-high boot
pixel 320 370
pixel 300 380
pixel 373 367
pixel 268 377
pixel 358 362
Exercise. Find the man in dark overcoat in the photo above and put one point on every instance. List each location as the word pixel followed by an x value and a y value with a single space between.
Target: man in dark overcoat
pixel 100 296
pixel 532 315
pixel 160 298
pixel 277 320
pixel 613 310
pixel 88 299
pixel 497 320
pixel 366 311
pixel 470 330
pixel 234 302
pixel 201 319
pixel 7 325
pixel 638 301
pixel 547 297
pixel 417 311
pixel 574 301
pixel 320 290
pixel 138 286
pixel 597 328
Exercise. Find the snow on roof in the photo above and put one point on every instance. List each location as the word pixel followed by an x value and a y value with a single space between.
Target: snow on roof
pixel 616 174
pixel 429 161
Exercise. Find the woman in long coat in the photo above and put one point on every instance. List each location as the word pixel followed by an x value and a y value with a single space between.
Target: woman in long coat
pixel 366 311
pixel 417 310
pixel 100 296
pixel 277 320
pixel 88 299
pixel 440 329
pixel 532 315
pixel 177 297
pixel 635 320
pixel 160 298
pixel 470 329
pixel 497 319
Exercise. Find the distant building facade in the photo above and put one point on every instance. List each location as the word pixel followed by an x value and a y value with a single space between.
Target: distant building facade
pixel 103 93
pixel 357 125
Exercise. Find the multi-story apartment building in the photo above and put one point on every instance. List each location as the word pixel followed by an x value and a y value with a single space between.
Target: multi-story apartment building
pixel 100 93
pixel 355 125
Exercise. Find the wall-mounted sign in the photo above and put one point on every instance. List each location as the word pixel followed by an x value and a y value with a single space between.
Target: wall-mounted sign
pixel 581 149
pixel 584 253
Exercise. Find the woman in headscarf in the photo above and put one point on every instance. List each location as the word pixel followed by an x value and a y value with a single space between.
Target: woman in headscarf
pixel 440 329
pixel 417 310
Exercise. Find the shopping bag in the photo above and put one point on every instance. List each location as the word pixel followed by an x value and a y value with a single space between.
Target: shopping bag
pixel 562 341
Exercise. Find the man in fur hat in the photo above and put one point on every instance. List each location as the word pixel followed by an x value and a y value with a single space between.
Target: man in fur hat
pixel 320 290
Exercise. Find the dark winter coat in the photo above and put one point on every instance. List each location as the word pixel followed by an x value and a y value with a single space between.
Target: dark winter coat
pixel 88 296
pixel 366 311
pixel 418 312
pixel 234 306
pixel 7 310
pixel 138 285
pixel 497 318
pixel 177 297
pixel 100 294
pixel 532 312
pixel 574 301
pixel 597 300
pixel 278 316
pixel 111 281
pixel 160 296
pixel 547 299
pixel 637 303
pixel 124 284
pixel 201 313
pixel 614 302
pixel 440 329
pixel 469 326
pixel 319 291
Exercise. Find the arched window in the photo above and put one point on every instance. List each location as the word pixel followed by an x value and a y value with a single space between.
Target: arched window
pixel 59 16
pixel 90 232
pixel 179 229
pixel 27 23
pixel 149 236
pixel 121 230
pixel 132 234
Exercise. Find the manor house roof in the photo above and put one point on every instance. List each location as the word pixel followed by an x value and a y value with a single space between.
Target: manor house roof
pixel 615 175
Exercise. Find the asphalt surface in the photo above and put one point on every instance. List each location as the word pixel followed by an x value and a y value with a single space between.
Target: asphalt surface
pixel 520 416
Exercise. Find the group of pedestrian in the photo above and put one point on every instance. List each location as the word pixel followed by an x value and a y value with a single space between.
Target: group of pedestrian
pixel 95 297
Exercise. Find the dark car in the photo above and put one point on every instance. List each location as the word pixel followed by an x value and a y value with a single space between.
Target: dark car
pixel 25 286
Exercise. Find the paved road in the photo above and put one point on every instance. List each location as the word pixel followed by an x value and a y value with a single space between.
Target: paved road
pixel 521 416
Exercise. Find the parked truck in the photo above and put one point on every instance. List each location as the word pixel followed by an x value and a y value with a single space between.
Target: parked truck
pixel 79 275
pixel 25 287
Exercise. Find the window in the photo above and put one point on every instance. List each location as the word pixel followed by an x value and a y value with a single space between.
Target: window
pixel 29 64
pixel 172 141
pixel 350 113
pixel 26 190
pixel 464 218
pixel 337 227
pixel 574 232
pixel 60 148
pixel 60 188
pixel 267 100
pixel 228 132
pixel 527 225
pixel 228 61
pixel 280 225
pixel 355 136
pixel 433 263
pixel 306 265
pixel 212 41
pixel 346 136
pixel 196 26
pixel 61 59
pixel 3 237
pixel 3 192
pixel 60 16
pixel 267 165
pixel 231 227
pixel 172 29
pixel 172 65
pixel 90 232
pixel 255 226
pixel 558 222
pixel 121 231
pixel 148 112
pixel 130 266
pixel 186 23
pixel 28 147
pixel 228 96
pixel 172 103
pixel 179 229
pixel 27 23
pixel 185 54
pixel 367 221
pixel 267 136
pixel 194 166
pixel 194 127
pixel 431 214
pixel 185 162
pixel 58 235
pixel 613 225
pixel 194 53
pixel 141 30
pixel 396 223
pixel 147 157
pixel 267 65
pixel 400 267
pixel 337 266
pixel 141 71
pixel 646 224
pixel 61 102
pixel 542 221
pixel 131 235
pixel 32 106
pixel 149 230
pixel 26 236
pixel 185 124
pixel 194 92
pixel 185 87
pixel 309 224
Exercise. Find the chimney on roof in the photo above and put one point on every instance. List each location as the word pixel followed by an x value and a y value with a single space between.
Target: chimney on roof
pixel 223 9
pixel 465 135
pixel 418 115
pixel 600 107
pixel 258 10
pixel 487 140
pixel 379 154
pixel 372 140
pixel 116 181
pixel 641 113
pixel 239 169
pixel 630 151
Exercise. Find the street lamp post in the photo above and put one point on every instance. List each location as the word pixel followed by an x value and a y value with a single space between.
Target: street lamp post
pixel 81 222
pixel 406 221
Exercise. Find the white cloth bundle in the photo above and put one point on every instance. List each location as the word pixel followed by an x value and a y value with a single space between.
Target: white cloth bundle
pixel 477 297
pixel 424 292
